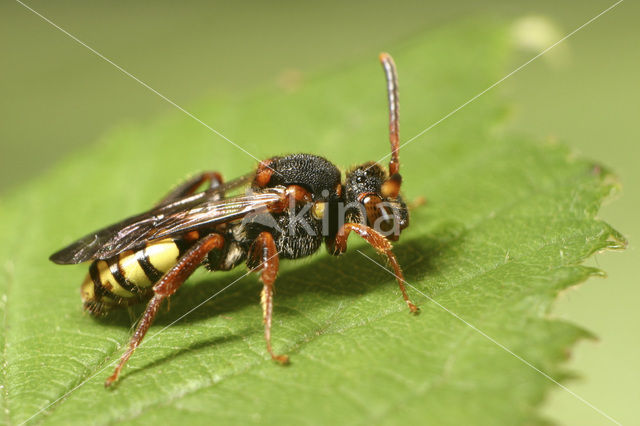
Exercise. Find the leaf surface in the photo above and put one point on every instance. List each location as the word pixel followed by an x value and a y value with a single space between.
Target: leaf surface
pixel 507 223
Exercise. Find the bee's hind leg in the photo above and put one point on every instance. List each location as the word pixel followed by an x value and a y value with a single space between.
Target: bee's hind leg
pixel 168 284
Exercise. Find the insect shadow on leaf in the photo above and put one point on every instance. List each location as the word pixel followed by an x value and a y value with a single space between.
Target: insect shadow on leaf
pixel 314 280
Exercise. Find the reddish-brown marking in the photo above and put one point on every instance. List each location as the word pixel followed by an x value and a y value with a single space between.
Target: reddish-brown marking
pixel 264 250
pixel 168 284
pixel 382 246
pixel 292 195
pixel 192 236
pixel 391 187
pixel 370 202
pixel 298 194
pixel 339 190
pixel 263 174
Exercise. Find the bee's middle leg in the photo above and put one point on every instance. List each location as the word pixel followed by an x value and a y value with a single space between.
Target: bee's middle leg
pixel 265 255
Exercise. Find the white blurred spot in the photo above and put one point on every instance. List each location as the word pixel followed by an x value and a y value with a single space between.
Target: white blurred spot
pixel 535 33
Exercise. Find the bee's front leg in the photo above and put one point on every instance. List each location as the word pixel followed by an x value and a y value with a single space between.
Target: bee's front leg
pixel 378 242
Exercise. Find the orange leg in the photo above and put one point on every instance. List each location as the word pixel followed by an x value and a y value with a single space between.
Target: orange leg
pixel 264 252
pixel 382 246
pixel 168 284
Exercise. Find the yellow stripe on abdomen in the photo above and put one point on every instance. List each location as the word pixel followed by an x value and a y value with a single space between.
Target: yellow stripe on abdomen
pixel 163 254
pixel 132 270
pixel 127 278
pixel 109 282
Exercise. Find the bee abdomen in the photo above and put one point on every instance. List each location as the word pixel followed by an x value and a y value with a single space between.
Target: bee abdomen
pixel 127 279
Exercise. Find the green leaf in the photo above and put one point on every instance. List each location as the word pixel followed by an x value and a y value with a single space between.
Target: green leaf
pixel 506 226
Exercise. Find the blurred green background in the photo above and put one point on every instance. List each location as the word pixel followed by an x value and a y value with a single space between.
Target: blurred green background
pixel 57 96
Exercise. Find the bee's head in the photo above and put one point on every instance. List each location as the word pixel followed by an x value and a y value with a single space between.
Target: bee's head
pixel 373 198
pixel 373 194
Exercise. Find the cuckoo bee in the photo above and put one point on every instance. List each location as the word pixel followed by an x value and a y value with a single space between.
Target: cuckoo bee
pixel 290 206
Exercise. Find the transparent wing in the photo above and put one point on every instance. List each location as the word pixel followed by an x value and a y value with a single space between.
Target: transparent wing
pixel 195 212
